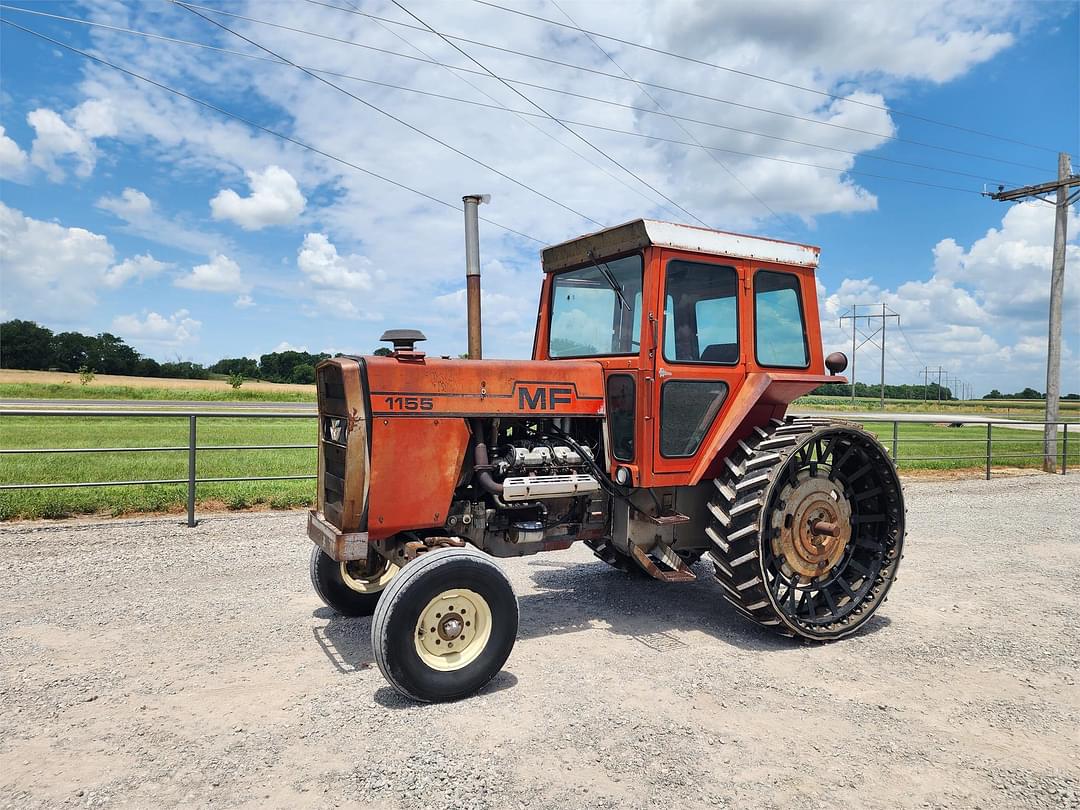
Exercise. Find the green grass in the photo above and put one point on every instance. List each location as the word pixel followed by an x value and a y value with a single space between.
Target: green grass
pixel 76 431
pixel 1015 408
pixel 32 431
pixel 1009 446
pixel 67 391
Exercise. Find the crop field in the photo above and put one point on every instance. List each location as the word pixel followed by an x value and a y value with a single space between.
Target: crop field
pixel 915 440
pixel 61 385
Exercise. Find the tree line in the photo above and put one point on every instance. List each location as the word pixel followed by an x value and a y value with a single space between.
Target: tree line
pixel 917 391
pixel 30 346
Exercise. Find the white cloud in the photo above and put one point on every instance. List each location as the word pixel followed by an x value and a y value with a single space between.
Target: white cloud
pixel 57 141
pixel 49 271
pixel 982 312
pixel 175 330
pixel 13 160
pixel 131 205
pixel 139 213
pixel 137 267
pixel 322 265
pixel 285 346
pixel 275 199
pixel 54 273
pixel 220 274
pixel 244 302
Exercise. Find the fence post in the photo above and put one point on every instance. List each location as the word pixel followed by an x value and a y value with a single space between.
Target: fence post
pixel 989 443
pixel 895 440
pixel 1064 446
pixel 191 472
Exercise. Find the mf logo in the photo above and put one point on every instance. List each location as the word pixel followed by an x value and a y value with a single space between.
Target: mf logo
pixel 544 398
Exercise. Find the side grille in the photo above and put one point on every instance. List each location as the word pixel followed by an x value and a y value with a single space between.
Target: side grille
pixel 342 444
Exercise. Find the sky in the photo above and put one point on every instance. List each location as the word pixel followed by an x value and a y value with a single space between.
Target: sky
pixel 192 235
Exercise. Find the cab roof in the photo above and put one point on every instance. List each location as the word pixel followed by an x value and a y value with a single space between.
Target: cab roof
pixel 641 233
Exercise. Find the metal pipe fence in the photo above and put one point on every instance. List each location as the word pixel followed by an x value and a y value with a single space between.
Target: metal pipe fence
pixel 193 448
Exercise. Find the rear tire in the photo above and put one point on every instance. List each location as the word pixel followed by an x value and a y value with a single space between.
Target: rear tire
pixel 776 564
pixel 346 587
pixel 445 625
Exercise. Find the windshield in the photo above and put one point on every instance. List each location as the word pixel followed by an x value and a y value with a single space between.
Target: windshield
pixel 587 317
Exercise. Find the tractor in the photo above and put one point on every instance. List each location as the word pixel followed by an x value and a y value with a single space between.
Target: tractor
pixel 650 424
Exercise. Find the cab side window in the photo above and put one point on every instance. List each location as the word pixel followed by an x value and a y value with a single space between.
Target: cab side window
pixel 779 325
pixel 701 317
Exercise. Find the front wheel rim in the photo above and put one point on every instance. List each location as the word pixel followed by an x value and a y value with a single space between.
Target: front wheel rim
pixel 453 629
pixel 356 580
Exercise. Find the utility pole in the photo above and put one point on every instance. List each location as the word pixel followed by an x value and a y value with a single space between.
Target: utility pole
pixel 1064 198
pixel 883 317
pixel 925 382
pixel 939 386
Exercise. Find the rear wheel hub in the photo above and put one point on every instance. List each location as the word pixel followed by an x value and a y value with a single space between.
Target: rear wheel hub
pixel 813 527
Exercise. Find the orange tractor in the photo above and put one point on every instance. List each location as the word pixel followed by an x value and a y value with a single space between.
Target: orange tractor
pixel 650 425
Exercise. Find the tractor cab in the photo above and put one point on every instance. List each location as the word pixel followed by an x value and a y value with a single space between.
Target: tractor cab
pixel 701 335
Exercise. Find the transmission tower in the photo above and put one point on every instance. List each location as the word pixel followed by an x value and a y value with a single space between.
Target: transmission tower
pixel 882 319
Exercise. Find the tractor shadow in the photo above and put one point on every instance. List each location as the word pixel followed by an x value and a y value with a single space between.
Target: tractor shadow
pixel 591 597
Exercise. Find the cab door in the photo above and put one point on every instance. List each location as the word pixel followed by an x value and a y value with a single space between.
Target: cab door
pixel 699 361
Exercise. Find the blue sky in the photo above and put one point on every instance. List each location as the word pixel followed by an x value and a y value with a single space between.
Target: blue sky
pixel 129 210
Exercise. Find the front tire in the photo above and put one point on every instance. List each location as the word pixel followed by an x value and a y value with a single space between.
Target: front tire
pixel 445 626
pixel 349 587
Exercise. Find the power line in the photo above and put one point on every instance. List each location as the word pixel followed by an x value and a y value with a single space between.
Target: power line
pixel 759 77
pixel 391 116
pixel 576 134
pixel 524 117
pixel 660 107
pixel 455 70
pixel 330 38
pixel 254 125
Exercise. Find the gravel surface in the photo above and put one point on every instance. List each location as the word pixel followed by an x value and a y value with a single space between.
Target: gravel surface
pixel 143 664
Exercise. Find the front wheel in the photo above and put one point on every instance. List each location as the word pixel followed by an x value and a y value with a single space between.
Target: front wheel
pixel 350 588
pixel 445 625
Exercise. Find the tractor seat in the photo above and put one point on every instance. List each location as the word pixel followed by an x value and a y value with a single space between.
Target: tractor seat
pixel 721 353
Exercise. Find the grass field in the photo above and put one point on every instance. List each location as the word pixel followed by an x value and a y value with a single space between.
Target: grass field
pixel 59 385
pixel 1015 408
pixel 27 432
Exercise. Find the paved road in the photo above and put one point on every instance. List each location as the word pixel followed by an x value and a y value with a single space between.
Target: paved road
pixel 143 664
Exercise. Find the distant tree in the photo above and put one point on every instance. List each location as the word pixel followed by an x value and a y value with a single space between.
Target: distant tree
pixel 184 370
pixel 72 350
pixel 303 374
pixel 382 351
pixel 236 365
pixel 147 367
pixel 236 379
pixel 86 375
pixel 279 366
pixel 994 394
pixel 1071 396
pixel 24 344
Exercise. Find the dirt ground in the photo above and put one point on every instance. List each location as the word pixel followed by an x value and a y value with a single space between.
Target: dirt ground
pixel 143 664
pixel 8 375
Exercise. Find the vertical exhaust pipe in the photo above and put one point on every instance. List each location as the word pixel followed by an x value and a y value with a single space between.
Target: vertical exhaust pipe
pixel 472 270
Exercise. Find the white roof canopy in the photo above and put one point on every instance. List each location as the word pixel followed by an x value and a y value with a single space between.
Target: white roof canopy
pixel 643 233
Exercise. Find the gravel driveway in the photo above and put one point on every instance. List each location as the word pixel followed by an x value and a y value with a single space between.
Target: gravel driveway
pixel 143 664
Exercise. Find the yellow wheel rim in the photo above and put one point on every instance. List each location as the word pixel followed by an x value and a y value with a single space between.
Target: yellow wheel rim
pixel 352 574
pixel 453 629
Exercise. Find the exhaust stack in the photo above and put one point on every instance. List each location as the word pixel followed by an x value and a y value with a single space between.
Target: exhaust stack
pixel 472 270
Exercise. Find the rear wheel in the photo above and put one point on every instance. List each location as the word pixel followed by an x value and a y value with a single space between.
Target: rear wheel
pixel 351 588
pixel 807 527
pixel 445 625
